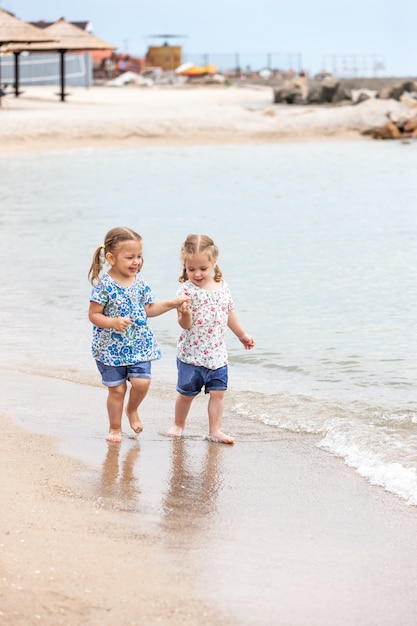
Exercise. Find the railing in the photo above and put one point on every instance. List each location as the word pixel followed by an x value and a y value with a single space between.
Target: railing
pixel 245 62
pixel 355 65
pixel 44 69
pixel 340 65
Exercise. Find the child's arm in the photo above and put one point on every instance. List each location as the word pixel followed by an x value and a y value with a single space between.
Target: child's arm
pixel 158 308
pixel 185 318
pixel 96 317
pixel 234 325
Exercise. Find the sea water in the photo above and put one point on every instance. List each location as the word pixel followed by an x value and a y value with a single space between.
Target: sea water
pixel 317 242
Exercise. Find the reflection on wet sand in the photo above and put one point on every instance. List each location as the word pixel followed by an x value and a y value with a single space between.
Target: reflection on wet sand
pixel 193 485
pixel 118 482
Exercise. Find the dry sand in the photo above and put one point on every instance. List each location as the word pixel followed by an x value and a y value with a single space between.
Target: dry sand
pixel 174 115
pixel 269 532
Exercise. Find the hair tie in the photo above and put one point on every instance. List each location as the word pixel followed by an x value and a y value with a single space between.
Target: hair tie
pixel 103 246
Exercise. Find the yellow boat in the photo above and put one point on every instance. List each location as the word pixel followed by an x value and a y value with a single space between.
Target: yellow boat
pixel 194 70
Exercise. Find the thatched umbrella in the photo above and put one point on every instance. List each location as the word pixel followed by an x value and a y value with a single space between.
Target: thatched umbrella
pixel 67 37
pixel 15 31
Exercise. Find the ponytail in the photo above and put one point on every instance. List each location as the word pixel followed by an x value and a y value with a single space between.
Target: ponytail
pixel 183 278
pixel 217 274
pixel 96 265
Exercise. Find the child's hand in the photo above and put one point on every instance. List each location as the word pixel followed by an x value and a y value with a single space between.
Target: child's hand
pixel 185 318
pixel 247 341
pixel 183 303
pixel 121 323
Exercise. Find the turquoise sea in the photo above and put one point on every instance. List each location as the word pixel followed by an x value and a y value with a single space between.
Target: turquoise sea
pixel 317 242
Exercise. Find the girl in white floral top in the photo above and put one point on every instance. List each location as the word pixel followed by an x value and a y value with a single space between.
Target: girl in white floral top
pixel 201 353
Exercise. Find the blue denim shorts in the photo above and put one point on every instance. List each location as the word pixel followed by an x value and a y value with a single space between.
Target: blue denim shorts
pixel 192 378
pixel 112 376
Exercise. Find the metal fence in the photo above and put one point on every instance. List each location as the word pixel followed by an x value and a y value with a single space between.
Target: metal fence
pixel 247 62
pixel 44 69
pixel 355 65
pixel 340 65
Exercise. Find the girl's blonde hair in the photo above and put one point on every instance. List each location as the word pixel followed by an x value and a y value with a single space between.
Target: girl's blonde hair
pixel 114 237
pixel 200 243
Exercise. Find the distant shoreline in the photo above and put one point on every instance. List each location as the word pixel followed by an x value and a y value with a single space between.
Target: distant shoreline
pixel 156 116
pixel 53 143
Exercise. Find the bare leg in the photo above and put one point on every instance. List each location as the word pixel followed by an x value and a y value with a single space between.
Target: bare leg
pixel 182 407
pixel 215 411
pixel 138 391
pixel 115 401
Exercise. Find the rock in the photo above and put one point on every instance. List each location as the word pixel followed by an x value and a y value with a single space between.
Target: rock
pixel 326 91
pixel 384 93
pixel 393 116
pixel 343 94
pixel 362 97
pixel 410 99
pixel 388 131
pixel 293 91
pixel 329 87
pixel 314 94
pixel 397 91
pixel 410 125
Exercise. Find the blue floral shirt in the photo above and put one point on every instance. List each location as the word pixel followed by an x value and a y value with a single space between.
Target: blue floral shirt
pixel 137 343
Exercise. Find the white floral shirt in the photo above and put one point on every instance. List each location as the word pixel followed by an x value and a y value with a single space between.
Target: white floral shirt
pixel 204 343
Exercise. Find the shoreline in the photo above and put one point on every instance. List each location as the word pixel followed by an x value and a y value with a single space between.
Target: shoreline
pixel 67 559
pixel 270 530
pixel 172 116
pixel 58 144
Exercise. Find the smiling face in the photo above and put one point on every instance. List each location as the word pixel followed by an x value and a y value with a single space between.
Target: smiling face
pixel 200 270
pixel 126 261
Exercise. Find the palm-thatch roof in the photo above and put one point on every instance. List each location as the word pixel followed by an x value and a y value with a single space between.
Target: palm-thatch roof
pixel 61 36
pixel 13 30
pixel 65 36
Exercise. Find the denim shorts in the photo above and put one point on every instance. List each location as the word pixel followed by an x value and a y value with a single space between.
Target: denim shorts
pixel 112 376
pixel 192 378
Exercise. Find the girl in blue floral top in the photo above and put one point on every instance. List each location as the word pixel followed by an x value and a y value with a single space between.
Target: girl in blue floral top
pixel 123 343
pixel 204 318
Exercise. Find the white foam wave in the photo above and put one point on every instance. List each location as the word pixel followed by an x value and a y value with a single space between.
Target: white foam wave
pixel 392 476
pixel 381 445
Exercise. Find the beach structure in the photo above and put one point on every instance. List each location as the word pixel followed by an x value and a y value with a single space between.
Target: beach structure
pixel 83 25
pixel 64 37
pixel 166 57
pixel 16 32
pixel 97 56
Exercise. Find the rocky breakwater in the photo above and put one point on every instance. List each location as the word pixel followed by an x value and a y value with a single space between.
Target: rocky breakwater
pixel 401 122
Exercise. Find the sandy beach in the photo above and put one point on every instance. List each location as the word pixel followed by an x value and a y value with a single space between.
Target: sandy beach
pixel 269 531
pixel 272 531
pixel 184 115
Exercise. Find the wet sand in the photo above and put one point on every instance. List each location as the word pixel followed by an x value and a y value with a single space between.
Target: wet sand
pixel 38 120
pixel 269 531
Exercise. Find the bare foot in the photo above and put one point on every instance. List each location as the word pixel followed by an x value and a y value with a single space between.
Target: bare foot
pixel 135 422
pixel 175 431
pixel 219 437
pixel 114 436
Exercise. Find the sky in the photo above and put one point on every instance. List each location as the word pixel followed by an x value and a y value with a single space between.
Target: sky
pixel 338 35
